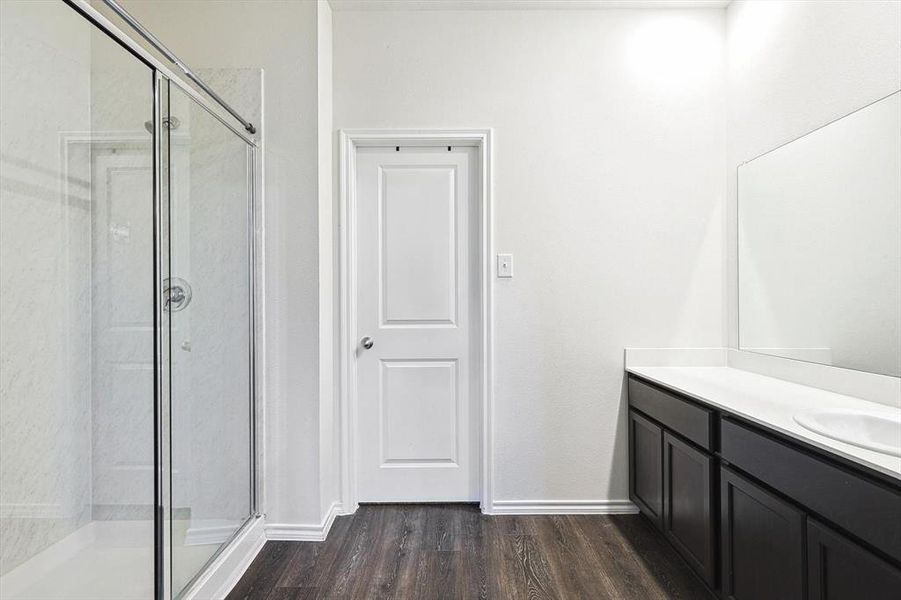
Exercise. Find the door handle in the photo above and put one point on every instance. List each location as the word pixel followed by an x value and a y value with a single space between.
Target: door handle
pixel 367 342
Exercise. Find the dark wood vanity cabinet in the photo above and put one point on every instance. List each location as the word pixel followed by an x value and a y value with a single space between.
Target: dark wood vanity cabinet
pixel 861 505
pixel 646 466
pixel 839 569
pixel 672 475
pixel 756 514
pixel 688 501
pixel 762 542
pixel 690 420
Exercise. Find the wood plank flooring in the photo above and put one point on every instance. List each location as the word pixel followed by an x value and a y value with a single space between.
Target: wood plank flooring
pixel 453 551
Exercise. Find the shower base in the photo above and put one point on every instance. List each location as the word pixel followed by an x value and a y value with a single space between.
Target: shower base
pixel 105 560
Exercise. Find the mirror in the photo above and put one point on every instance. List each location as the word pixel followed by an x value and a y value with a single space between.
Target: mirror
pixel 819 244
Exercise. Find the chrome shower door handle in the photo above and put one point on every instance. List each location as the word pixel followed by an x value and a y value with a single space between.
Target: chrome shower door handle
pixel 367 342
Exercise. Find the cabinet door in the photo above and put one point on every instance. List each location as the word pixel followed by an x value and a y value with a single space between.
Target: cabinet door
pixel 688 504
pixel 839 569
pixel 646 466
pixel 762 542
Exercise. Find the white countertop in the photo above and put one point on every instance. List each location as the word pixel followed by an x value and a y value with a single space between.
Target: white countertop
pixel 772 403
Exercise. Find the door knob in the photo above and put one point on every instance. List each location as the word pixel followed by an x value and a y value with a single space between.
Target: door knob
pixel 367 342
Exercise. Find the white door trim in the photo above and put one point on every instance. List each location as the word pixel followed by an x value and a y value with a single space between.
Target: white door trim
pixel 349 141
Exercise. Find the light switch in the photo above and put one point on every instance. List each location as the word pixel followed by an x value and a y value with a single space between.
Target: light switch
pixel 505 265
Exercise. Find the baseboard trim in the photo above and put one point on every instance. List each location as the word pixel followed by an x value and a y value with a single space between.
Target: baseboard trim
pixel 563 507
pixel 298 532
pixel 228 568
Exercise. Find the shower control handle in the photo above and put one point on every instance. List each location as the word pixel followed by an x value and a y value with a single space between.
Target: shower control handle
pixel 177 294
pixel 367 342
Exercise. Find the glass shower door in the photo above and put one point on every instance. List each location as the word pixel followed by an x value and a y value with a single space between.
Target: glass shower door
pixel 209 311
pixel 77 363
pixel 126 314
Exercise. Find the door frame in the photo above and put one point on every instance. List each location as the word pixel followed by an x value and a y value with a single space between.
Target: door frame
pixel 350 140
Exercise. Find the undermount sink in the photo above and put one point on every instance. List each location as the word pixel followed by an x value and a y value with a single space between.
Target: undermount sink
pixel 878 430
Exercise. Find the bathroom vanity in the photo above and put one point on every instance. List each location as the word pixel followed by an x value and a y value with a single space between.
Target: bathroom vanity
pixel 758 505
pixel 771 489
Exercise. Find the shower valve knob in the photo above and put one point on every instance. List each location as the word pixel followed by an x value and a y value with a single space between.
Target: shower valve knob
pixel 177 294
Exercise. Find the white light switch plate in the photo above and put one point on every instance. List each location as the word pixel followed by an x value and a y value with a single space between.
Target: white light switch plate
pixel 505 265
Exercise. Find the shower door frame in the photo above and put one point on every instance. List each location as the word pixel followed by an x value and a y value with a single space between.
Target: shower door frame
pixel 162 75
pixel 164 399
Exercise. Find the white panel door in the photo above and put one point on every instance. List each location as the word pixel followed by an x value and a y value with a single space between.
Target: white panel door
pixel 417 435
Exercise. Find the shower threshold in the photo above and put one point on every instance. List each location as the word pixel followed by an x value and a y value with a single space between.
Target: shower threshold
pixel 110 560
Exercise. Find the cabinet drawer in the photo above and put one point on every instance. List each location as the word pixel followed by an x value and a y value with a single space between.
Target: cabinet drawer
pixel 689 420
pixel 839 569
pixel 868 509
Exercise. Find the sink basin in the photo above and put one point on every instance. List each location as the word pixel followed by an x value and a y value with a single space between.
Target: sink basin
pixel 878 430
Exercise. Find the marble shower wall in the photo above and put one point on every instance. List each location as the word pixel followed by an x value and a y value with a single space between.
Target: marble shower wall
pixel 45 295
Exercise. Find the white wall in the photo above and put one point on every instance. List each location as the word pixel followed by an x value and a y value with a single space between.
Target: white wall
pixel 328 326
pixel 608 181
pixel 793 67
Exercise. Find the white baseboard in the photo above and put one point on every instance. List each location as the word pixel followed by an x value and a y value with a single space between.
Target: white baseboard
pixel 562 507
pixel 228 568
pixel 298 532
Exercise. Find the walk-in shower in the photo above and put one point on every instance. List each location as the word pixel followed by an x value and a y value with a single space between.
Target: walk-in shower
pixel 127 428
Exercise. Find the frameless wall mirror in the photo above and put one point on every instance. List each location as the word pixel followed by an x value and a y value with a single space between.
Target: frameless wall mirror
pixel 819 244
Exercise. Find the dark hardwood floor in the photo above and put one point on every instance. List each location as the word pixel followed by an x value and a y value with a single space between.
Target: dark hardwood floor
pixel 453 551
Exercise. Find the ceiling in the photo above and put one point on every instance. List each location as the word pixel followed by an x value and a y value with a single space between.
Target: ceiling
pixel 520 4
